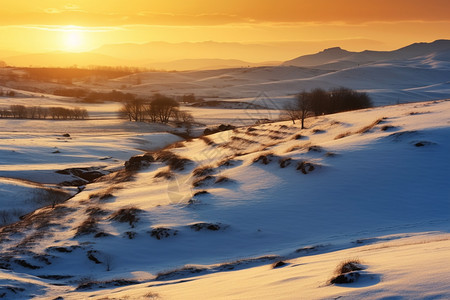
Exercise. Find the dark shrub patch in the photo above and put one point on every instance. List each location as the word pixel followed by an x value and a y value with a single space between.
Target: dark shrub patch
pixel 278 264
pixel 223 179
pixel 345 278
pixel 201 193
pixel 181 272
pixel 101 234
pixel 203 181
pixel 172 160
pixel 207 140
pixel 423 144
pixel 127 215
pixel 87 227
pixel 139 161
pixel 203 171
pixel 94 211
pixel 161 233
pixel 91 256
pixel 105 284
pixel 25 264
pixel 347 272
pixel 305 167
pixel 297 137
pixel 130 234
pixel 318 131
pixel 164 174
pixel 219 128
pixel 264 159
pixel 284 162
pixel 206 226
pixel 315 149
pixel 387 127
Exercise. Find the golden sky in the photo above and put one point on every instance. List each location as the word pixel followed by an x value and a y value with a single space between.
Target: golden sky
pixel 81 25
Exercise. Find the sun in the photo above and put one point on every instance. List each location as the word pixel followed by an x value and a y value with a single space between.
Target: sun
pixel 73 40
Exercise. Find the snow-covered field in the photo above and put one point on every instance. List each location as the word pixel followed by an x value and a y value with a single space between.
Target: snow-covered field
pixel 388 79
pixel 369 184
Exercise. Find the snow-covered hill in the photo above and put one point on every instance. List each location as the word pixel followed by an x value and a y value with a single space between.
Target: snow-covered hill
pixel 414 73
pixel 362 183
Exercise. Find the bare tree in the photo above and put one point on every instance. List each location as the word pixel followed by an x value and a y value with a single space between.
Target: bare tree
pixel 304 106
pixel 291 110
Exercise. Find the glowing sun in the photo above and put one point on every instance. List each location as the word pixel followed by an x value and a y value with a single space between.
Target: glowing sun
pixel 73 40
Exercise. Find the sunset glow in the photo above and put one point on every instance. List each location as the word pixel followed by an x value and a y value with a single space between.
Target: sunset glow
pixel 81 25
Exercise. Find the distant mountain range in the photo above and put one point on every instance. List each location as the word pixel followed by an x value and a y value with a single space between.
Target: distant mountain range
pixel 337 58
pixel 215 55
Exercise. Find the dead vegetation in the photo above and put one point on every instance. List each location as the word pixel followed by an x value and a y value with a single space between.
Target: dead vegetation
pixel 203 171
pixel 206 180
pixel 89 226
pixel 369 127
pixel 343 135
pixel 163 232
pixel 164 174
pixel 347 272
pixel 207 226
pixel 175 162
pixel 127 215
pixel 206 140
pixel 305 167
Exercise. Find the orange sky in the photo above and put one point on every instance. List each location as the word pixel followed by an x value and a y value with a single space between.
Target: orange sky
pixel 80 25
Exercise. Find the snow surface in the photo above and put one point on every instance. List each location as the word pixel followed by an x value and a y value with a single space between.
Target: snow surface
pixel 388 79
pixel 380 178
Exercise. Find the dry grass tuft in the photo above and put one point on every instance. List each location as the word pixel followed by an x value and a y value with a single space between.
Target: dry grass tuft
pixel 127 215
pixel 87 227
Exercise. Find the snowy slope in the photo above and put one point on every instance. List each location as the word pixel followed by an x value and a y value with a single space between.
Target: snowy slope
pixel 271 189
pixel 389 81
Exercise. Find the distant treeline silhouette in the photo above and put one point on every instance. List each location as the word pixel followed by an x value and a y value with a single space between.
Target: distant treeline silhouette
pixel 38 112
pixel 74 73
pixel 320 102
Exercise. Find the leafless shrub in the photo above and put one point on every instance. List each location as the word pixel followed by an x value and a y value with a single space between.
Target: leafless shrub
pixel 174 161
pixel 347 272
pixel 284 162
pixel 305 167
pixel 87 227
pixel 227 162
pixel 203 181
pixel 223 179
pixel 162 232
pixel 127 215
pixel 343 135
pixel 10 215
pixel 297 136
pixel 264 158
pixel 278 264
pixel 203 171
pixel 369 127
pixel 91 284
pixel 207 226
pixel 315 149
pixel 50 196
pixel 164 174
pixel 184 271
pixel 103 195
pixel 387 127
pixel 207 140
pixel 318 131
pixel 94 211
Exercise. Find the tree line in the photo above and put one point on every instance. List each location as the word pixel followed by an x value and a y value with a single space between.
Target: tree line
pixel 38 112
pixel 158 109
pixel 319 102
